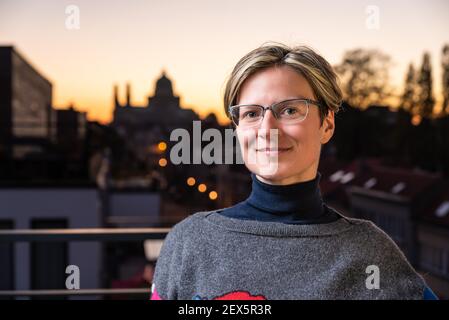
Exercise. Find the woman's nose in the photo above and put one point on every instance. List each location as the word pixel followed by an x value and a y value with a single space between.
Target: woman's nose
pixel 265 131
pixel 269 121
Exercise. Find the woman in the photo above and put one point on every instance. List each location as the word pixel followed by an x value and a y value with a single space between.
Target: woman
pixel 283 242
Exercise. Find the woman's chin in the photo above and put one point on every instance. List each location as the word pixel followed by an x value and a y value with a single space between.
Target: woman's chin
pixel 273 175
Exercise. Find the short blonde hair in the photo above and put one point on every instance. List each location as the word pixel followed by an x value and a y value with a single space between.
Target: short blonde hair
pixel 314 68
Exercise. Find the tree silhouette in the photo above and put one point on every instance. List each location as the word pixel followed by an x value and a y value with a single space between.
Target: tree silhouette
pixel 408 101
pixel 364 76
pixel 445 86
pixel 426 101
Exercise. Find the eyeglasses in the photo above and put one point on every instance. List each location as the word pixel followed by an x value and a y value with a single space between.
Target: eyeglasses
pixel 290 111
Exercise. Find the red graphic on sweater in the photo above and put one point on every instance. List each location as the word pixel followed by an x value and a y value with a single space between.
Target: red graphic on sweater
pixel 239 295
pixel 233 295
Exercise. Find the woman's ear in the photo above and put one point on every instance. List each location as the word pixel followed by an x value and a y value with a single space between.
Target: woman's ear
pixel 328 127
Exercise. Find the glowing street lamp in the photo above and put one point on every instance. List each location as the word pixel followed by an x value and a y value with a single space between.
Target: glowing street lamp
pixel 202 187
pixel 162 162
pixel 213 195
pixel 162 146
pixel 191 181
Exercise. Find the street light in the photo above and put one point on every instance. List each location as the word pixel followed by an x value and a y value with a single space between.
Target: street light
pixel 213 195
pixel 191 181
pixel 162 146
pixel 202 187
pixel 162 162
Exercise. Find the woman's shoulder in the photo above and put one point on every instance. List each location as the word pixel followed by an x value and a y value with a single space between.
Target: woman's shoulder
pixel 371 231
pixel 189 224
pixel 364 226
pixel 377 245
pixel 371 236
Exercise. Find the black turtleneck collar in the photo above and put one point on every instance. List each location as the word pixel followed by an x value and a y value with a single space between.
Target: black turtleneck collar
pixel 297 203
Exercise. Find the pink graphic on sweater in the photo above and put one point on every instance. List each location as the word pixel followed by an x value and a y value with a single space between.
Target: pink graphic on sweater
pixel 154 294
pixel 233 295
pixel 238 295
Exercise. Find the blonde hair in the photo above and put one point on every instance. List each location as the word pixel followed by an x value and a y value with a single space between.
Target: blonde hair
pixel 313 67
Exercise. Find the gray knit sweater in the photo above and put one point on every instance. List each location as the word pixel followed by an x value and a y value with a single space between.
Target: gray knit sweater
pixel 210 256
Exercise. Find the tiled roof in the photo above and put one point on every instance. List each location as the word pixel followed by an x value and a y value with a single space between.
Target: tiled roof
pixel 372 177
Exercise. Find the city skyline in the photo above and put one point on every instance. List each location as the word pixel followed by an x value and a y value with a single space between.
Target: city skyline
pixel 98 199
pixel 197 46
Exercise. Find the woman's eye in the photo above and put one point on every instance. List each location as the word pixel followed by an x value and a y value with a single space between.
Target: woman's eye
pixel 289 111
pixel 250 114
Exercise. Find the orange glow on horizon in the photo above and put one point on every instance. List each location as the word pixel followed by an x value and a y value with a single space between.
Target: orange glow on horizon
pixel 133 42
pixel 416 120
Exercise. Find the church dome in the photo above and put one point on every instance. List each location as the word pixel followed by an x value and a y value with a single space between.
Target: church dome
pixel 163 86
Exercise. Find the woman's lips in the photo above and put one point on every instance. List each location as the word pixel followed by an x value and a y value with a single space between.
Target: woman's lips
pixel 274 150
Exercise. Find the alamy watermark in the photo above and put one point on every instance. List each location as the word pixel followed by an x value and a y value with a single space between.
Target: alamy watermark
pixel 72 20
pixel 189 149
pixel 72 282
pixel 372 21
pixel 373 280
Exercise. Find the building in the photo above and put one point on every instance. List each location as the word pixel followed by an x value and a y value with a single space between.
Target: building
pixel 145 126
pixel 25 108
pixel 42 265
pixel 433 239
pixel 72 143
pixel 71 129
pixel 161 115
pixel 394 198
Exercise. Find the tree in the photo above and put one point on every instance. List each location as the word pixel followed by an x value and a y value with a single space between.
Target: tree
pixel 425 102
pixel 364 75
pixel 408 101
pixel 445 87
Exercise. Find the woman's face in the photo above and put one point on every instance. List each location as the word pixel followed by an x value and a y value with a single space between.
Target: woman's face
pixel 302 140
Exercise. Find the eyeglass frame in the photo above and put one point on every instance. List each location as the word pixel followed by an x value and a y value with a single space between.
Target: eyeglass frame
pixel 308 101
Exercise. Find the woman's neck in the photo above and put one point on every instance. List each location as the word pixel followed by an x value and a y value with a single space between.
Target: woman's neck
pixel 298 203
pixel 300 200
pixel 303 177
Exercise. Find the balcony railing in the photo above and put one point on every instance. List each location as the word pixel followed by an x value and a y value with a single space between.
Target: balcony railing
pixel 88 234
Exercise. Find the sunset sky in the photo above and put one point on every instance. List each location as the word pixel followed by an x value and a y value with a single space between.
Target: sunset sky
pixel 198 42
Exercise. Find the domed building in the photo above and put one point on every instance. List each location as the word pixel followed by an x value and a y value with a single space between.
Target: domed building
pixel 144 126
pixel 163 109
